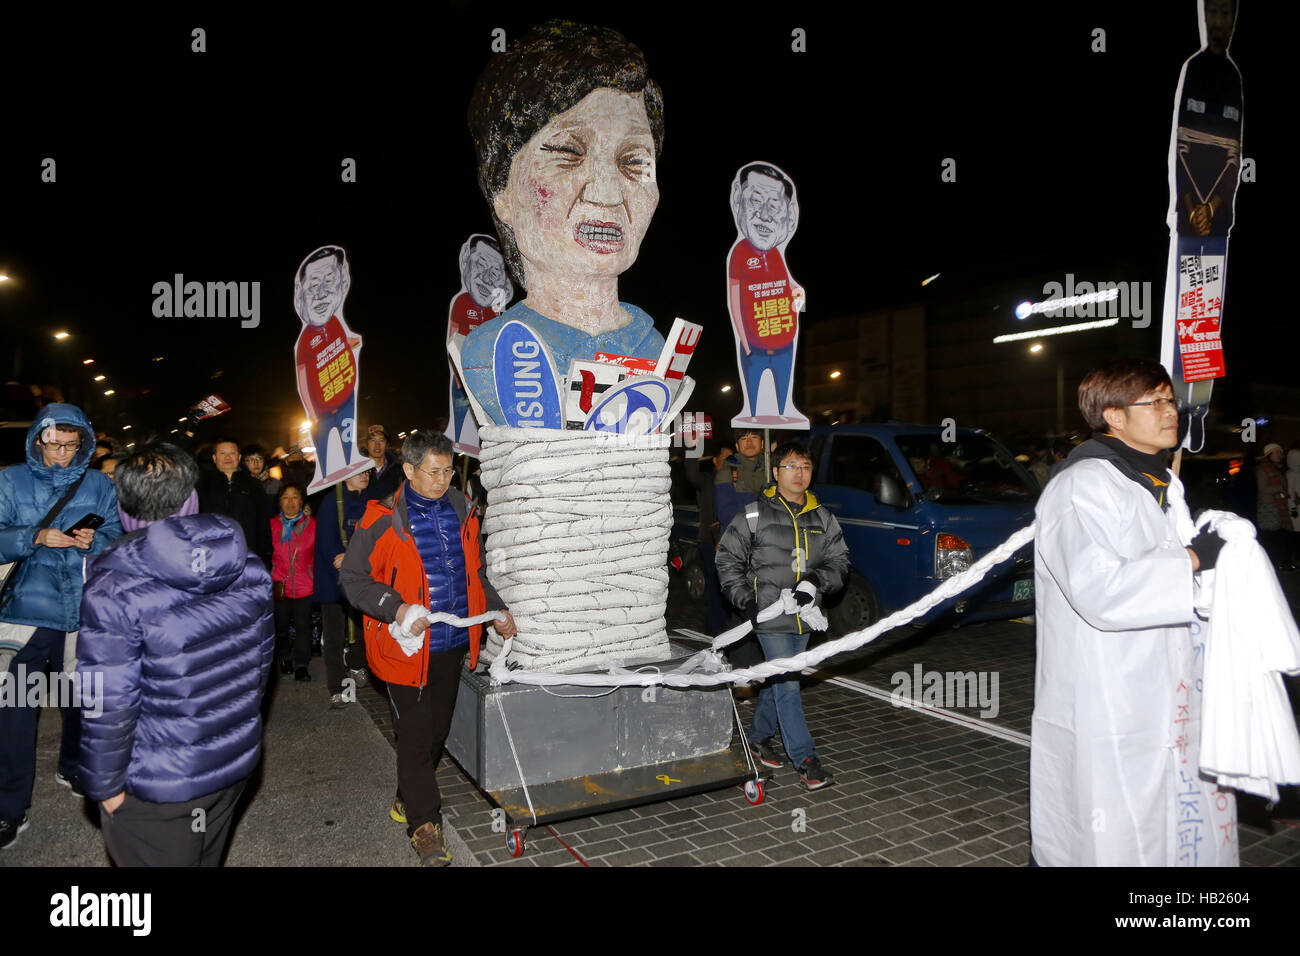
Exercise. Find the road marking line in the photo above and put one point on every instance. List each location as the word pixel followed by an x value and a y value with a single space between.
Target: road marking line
pixel 868 690
pixel 952 716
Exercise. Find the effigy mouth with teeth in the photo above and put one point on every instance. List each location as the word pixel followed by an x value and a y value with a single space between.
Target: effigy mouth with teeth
pixel 599 237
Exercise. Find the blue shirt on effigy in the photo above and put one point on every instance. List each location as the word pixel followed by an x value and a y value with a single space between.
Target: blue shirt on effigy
pixel 637 338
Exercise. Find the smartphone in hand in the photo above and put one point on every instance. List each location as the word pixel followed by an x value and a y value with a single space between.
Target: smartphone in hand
pixel 90 522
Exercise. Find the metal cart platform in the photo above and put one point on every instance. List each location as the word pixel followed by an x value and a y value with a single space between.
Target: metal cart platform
pixel 543 755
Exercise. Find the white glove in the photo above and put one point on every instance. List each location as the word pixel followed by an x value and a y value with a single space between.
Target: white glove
pixel 806 588
pixel 401 630
pixel 812 616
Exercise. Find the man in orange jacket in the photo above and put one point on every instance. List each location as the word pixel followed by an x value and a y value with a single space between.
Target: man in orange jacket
pixel 414 554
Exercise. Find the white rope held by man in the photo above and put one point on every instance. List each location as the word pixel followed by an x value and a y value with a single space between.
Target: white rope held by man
pixel 706 668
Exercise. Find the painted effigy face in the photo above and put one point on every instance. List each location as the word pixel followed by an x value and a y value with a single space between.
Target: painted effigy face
pixel 764 213
pixel 583 190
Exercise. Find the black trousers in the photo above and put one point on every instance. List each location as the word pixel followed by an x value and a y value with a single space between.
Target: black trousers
pixel 421 719
pixel 140 833
pixel 299 609
pixel 334 630
pixel 43 654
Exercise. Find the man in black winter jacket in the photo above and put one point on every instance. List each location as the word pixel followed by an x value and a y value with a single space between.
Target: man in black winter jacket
pixel 795 544
pixel 233 492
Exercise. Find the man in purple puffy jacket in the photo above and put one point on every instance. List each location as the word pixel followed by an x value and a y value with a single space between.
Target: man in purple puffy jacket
pixel 176 621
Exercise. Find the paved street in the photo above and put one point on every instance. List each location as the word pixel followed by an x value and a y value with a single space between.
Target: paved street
pixel 913 788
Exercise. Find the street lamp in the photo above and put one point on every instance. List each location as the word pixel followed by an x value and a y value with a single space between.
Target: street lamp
pixel 61 335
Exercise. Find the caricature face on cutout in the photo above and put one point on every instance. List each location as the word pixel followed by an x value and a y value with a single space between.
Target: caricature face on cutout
pixel 765 209
pixel 583 190
pixel 321 287
pixel 483 273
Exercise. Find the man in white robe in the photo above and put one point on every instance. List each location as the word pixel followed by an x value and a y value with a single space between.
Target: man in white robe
pixel 1114 776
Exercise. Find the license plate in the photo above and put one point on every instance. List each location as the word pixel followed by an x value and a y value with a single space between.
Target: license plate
pixel 1023 590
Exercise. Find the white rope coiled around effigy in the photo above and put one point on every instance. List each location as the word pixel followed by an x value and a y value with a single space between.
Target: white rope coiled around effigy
pixel 577 529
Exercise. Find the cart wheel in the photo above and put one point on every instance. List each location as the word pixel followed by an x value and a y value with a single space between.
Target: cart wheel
pixel 754 792
pixel 515 843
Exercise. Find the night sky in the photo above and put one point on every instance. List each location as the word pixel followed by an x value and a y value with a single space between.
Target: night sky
pixel 224 166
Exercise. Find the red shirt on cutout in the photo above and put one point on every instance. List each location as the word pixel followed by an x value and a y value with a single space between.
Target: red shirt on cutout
pixel 767 303
pixel 331 373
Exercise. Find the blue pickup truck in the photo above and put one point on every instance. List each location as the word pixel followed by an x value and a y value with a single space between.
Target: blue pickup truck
pixel 916 510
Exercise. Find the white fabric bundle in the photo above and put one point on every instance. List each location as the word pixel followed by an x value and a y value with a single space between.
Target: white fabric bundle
pixel 1248 731
pixel 577 529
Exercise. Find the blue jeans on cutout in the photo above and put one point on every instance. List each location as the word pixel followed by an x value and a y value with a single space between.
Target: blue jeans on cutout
pixel 779 701
pixel 340 419
pixel 781 362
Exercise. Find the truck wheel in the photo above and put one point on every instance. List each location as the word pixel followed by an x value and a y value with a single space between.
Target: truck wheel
pixel 857 607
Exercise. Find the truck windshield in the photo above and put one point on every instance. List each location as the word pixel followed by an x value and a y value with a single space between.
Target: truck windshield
pixel 972 470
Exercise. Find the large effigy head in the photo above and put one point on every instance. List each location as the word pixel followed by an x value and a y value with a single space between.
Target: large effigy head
pixel 568 128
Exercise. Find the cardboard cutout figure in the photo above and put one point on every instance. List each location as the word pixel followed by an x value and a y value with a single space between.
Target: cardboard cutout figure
pixel 567 129
pixel 327 361
pixel 763 299
pixel 1204 168
pixel 484 292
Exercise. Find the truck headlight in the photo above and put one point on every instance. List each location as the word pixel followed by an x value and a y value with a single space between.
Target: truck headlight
pixel 952 555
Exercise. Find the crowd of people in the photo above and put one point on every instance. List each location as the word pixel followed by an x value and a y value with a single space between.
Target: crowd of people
pixel 171 583
pixel 176 584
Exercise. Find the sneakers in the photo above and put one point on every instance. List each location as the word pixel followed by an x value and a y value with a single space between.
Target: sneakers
pixel 71 781
pixel 302 675
pixel 398 811
pixel 358 675
pixel 286 666
pixel 9 830
pixel 813 776
pixel 764 753
pixel 430 846
pixel 337 702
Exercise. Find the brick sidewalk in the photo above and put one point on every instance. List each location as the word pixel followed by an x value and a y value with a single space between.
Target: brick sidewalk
pixel 911 790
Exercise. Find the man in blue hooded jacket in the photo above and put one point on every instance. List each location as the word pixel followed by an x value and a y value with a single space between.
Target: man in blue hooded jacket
pixel 41 605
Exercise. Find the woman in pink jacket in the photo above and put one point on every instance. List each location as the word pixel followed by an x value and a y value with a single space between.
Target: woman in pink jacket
pixel 293 540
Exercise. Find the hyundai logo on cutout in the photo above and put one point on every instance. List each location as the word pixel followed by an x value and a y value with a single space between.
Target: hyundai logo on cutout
pixel 528 387
pixel 634 408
